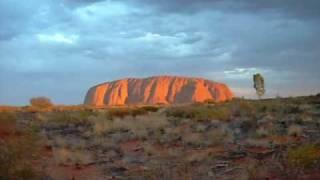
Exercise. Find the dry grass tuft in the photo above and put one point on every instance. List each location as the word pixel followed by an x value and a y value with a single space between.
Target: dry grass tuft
pixel 303 157
pixel 219 136
pixel 138 125
pixel 295 130
pixel 66 156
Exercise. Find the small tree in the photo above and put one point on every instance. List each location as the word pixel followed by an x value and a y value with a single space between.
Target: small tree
pixel 258 81
pixel 41 102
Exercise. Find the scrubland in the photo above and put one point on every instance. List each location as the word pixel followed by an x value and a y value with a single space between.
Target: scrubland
pixel 240 139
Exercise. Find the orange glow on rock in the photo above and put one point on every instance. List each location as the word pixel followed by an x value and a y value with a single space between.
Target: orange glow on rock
pixel 154 90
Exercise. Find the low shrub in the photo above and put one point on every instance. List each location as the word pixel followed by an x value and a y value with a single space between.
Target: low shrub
pixel 67 156
pixel 258 143
pixel 41 102
pixel 138 126
pixel 220 113
pixel 150 108
pixel 242 108
pixel 9 108
pixel 262 133
pixel 248 126
pixel 7 117
pixel 210 101
pixel 18 151
pixel 219 136
pixel 70 117
pixel 118 112
pixel 177 112
pixel 138 112
pixel 295 130
pixel 200 112
pixel 85 114
pixel 7 123
pixel 294 109
pixel 303 157
pixel 195 139
pixel 62 117
pixel 130 111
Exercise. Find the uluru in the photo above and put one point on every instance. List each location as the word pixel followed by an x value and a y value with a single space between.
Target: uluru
pixel 157 90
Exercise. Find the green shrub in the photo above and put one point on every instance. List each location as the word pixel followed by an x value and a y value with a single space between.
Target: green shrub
pixel 303 157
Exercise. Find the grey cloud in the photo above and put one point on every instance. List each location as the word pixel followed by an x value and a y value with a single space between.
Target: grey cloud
pixel 12 18
pixel 296 8
pixel 18 17
pixel 193 38
pixel 79 3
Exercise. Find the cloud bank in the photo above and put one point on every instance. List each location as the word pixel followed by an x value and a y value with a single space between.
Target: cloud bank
pixel 60 48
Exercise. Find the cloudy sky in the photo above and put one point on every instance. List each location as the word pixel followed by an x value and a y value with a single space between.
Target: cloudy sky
pixel 59 48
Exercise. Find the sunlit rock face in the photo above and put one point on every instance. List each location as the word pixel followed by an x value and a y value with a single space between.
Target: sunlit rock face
pixel 157 90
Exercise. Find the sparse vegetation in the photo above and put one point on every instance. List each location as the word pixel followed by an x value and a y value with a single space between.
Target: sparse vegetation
pixel 7 119
pixel 137 125
pixel 65 156
pixel 305 156
pixel 207 140
pixel 127 111
pixel 18 149
pixel 200 112
pixel 219 136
